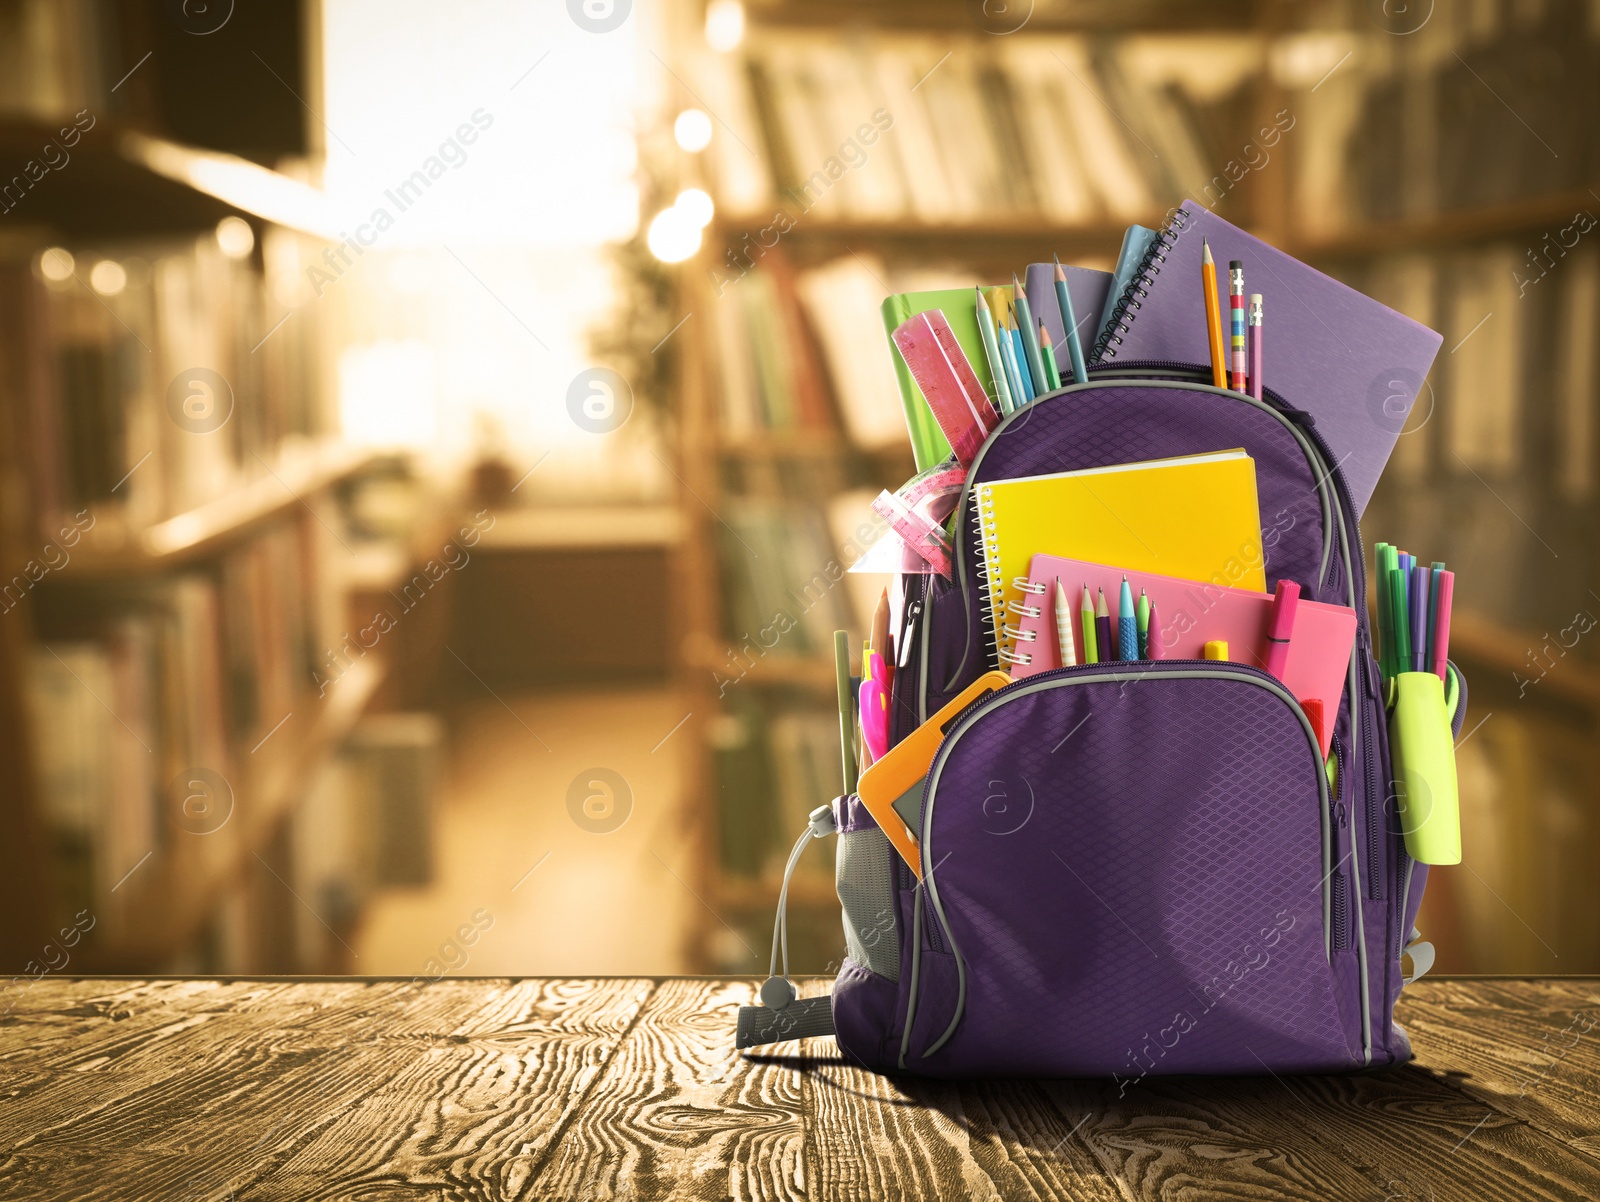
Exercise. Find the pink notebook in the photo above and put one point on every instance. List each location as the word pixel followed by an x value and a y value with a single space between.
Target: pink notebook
pixel 1190 614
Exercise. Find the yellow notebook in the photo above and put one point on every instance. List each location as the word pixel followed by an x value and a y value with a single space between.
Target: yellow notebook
pixel 1195 517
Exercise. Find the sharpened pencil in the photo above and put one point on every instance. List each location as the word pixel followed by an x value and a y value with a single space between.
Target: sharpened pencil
pixel 1208 280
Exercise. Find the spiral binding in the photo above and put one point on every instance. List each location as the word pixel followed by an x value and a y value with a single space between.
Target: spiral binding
pixel 1015 657
pixel 984 529
pixel 1133 297
pixel 1020 607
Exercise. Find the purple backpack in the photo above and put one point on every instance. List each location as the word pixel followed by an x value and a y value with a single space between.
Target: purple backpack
pixel 1129 868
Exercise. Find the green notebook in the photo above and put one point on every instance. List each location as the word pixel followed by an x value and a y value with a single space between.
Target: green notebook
pixel 959 306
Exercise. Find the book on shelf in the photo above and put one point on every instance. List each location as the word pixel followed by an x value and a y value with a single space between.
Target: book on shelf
pixel 946 131
pixel 773 765
pixel 805 766
pixel 1407 127
pixel 795 356
pixel 742 775
pixel 366 823
pixel 167 391
pixel 1526 782
pixel 841 300
pixel 769 376
pixel 1516 391
pixel 781 579
pixel 55 56
pixel 145 710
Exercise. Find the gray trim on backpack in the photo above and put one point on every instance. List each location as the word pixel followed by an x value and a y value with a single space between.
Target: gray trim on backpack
pixel 1023 690
pixel 1405 897
pixel 925 620
pixel 864 880
pixel 1355 844
pixel 916 968
pixel 1422 956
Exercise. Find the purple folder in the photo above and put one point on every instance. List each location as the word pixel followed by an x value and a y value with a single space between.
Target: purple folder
pixel 1353 364
pixel 1088 289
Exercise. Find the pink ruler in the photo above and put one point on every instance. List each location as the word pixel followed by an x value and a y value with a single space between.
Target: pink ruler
pixel 940 368
pixel 919 534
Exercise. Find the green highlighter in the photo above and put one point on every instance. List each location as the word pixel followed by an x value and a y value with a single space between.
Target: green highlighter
pixel 1423 747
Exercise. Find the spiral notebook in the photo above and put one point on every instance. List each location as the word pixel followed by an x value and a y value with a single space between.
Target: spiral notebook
pixel 1353 364
pixel 1191 615
pixel 1194 517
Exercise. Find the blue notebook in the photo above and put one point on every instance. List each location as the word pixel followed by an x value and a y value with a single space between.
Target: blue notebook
pixel 1135 245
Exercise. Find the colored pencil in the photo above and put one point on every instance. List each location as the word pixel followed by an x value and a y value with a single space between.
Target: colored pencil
pixel 1069 655
pixel 1102 629
pixel 991 347
pixel 880 637
pixel 1052 373
pixel 1008 356
pixel 1030 337
pixel 1208 280
pixel 1080 371
pixel 1237 369
pixel 1255 345
pixel 1091 649
pixel 1019 356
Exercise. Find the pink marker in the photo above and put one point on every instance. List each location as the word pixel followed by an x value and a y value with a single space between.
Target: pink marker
pixel 1441 630
pixel 1280 626
pixel 875 707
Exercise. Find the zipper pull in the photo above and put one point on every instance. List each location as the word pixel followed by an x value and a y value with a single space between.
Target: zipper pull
pixel 1299 417
pixel 908 632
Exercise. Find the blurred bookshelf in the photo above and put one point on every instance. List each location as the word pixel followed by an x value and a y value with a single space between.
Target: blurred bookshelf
pixel 1445 171
pixel 173 541
pixel 920 154
pixel 1394 168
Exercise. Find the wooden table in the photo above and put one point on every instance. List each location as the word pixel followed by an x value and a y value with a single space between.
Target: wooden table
pixel 630 1088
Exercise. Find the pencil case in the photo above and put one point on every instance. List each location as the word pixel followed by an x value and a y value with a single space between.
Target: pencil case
pixel 1423 746
pixel 1132 868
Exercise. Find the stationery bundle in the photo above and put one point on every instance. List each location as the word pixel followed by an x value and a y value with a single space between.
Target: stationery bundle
pixel 1423 694
pixel 1132 690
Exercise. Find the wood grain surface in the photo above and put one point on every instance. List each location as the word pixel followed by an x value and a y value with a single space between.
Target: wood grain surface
pixel 629 1088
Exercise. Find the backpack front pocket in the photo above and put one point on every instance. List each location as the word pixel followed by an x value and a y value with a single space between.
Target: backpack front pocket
pixel 1127 870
